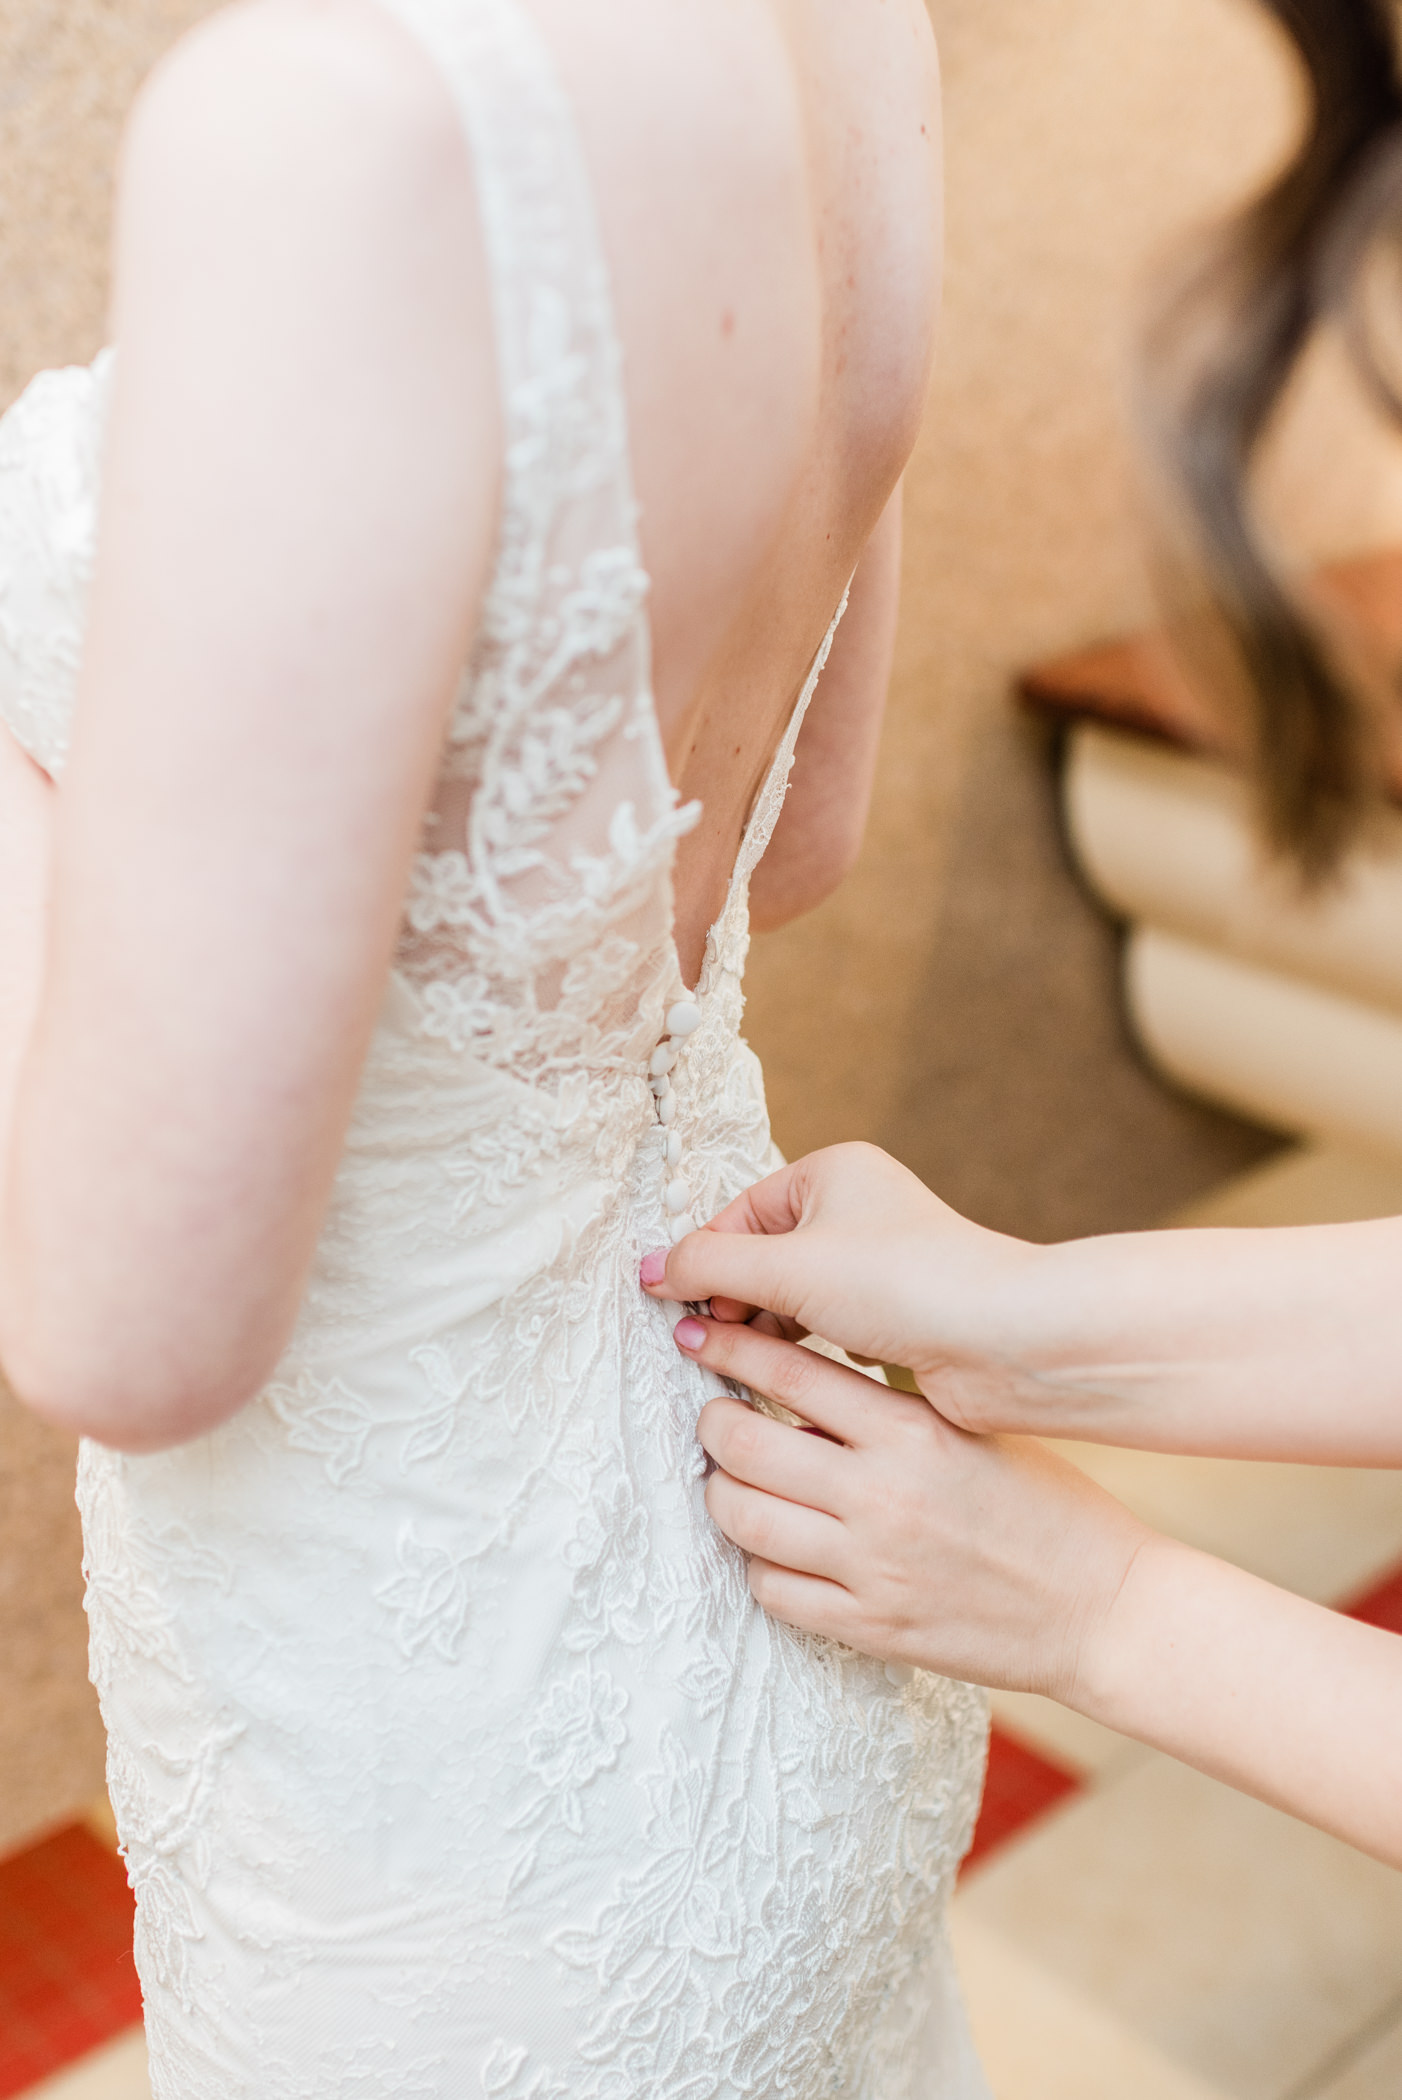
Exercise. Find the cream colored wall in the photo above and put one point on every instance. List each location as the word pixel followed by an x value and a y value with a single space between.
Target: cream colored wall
pixel 956 1000
pixel 67 75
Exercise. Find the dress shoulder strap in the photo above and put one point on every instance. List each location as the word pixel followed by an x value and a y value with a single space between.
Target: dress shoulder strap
pixel 542 239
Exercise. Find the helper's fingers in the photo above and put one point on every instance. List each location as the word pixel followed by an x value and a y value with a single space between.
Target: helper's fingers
pixel 763 1322
pixel 775 1456
pixel 743 1266
pixel 728 1262
pixel 774 1205
pixel 808 1601
pixel 830 1396
pixel 776 1530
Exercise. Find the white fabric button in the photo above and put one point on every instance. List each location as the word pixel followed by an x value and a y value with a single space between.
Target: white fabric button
pixel 662 1060
pixel 678 1194
pixel 682 1226
pixel 666 1107
pixel 673 1148
pixel 899 1673
pixel 683 1017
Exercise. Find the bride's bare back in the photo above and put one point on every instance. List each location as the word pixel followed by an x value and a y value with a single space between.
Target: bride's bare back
pixel 300 502
pixel 768 179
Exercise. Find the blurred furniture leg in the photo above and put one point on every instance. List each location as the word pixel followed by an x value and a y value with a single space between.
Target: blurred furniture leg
pixel 1282 1005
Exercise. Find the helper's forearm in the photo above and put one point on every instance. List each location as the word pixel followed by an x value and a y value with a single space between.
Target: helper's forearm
pixel 1274 1695
pixel 1283 1343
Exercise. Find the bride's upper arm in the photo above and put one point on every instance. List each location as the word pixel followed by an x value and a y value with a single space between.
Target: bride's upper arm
pixel 299 504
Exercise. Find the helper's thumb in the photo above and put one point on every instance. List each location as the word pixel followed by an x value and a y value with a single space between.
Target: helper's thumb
pixel 751 1268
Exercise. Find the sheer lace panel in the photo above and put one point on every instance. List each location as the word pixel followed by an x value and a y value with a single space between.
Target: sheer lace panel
pixel 50 458
pixel 540 911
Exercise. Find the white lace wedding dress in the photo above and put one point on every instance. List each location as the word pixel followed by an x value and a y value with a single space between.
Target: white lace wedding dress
pixel 450 1754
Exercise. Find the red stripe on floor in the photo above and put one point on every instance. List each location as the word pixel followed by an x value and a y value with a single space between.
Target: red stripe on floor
pixel 1381 1604
pixel 67 1978
pixel 1021 1785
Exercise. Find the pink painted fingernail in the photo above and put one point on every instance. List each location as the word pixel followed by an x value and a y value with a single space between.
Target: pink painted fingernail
pixel 688 1334
pixel 653 1266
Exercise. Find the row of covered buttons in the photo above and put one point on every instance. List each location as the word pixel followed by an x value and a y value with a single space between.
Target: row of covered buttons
pixel 682 1019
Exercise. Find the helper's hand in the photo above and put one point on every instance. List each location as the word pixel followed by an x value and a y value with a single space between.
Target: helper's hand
pixel 990 1560
pixel 848 1244
pixel 984 1558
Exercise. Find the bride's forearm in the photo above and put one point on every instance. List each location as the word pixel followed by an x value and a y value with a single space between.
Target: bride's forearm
pixel 1274 1695
pixel 1278 1343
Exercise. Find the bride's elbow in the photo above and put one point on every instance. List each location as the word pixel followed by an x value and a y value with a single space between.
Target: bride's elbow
pixel 793 883
pixel 132 1407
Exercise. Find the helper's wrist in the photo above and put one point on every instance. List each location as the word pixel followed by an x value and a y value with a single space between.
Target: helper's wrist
pixel 1110 1681
pixel 1060 1361
pixel 997 1332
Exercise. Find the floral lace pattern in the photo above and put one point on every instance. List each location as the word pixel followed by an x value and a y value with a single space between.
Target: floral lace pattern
pixel 553 828
pixel 49 473
pixel 448 1749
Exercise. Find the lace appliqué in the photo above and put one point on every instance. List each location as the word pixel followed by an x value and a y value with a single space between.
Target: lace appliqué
pixel 554 825
pixel 50 459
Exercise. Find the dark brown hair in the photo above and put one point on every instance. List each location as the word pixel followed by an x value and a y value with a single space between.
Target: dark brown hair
pixel 1219 358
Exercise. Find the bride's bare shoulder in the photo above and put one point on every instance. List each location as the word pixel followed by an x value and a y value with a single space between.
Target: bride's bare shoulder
pixel 337 74
pixel 291 144
pixel 351 41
